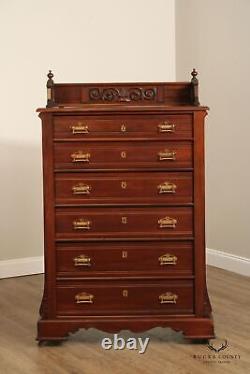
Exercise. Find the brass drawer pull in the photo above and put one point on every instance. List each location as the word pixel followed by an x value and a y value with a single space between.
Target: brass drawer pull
pixel 81 189
pixel 81 224
pixel 84 298
pixel 167 155
pixel 80 128
pixel 166 127
pixel 82 260
pixel 167 223
pixel 79 156
pixel 167 187
pixel 168 259
pixel 168 298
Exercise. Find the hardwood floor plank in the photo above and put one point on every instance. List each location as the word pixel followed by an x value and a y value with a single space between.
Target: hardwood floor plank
pixel 167 352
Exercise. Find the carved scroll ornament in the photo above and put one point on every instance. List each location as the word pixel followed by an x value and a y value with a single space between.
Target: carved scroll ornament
pixel 123 94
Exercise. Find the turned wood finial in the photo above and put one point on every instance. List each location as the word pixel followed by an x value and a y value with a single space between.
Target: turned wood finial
pixel 195 83
pixel 50 75
pixel 194 73
pixel 50 92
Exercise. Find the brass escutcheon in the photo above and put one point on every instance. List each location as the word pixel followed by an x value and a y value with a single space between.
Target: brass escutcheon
pixel 124 220
pixel 124 185
pixel 123 128
pixel 125 293
pixel 124 254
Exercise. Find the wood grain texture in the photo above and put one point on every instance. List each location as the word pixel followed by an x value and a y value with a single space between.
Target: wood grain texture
pixel 124 297
pixel 120 222
pixel 172 93
pixel 48 301
pixel 121 259
pixel 168 351
pixel 77 109
pixel 123 155
pixel 125 127
pixel 124 188
pixel 199 214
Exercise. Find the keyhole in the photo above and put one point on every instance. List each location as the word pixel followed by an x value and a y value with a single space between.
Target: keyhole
pixel 123 154
pixel 124 220
pixel 125 293
pixel 124 185
pixel 123 128
pixel 124 254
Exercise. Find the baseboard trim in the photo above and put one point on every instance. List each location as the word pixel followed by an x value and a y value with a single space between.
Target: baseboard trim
pixel 228 261
pixel 21 266
pixel 34 265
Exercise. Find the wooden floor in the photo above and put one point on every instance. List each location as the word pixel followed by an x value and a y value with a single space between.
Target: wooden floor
pixel 167 351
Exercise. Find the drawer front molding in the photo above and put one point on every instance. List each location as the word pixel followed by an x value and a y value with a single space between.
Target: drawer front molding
pixel 89 259
pixel 167 297
pixel 83 223
pixel 179 126
pixel 131 187
pixel 125 155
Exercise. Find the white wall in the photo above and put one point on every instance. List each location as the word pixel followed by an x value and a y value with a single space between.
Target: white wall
pixel 213 36
pixel 82 41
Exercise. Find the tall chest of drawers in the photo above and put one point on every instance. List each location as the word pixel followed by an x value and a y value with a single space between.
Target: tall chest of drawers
pixel 123 168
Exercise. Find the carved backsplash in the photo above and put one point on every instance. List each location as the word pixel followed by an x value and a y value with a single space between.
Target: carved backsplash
pixel 123 94
pixel 144 93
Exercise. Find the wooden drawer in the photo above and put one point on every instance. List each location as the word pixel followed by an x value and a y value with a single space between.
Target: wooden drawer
pixel 126 258
pixel 124 188
pixel 122 155
pixel 124 297
pixel 87 127
pixel 124 222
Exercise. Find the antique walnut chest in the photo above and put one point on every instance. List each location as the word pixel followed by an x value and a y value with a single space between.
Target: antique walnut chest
pixel 123 168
